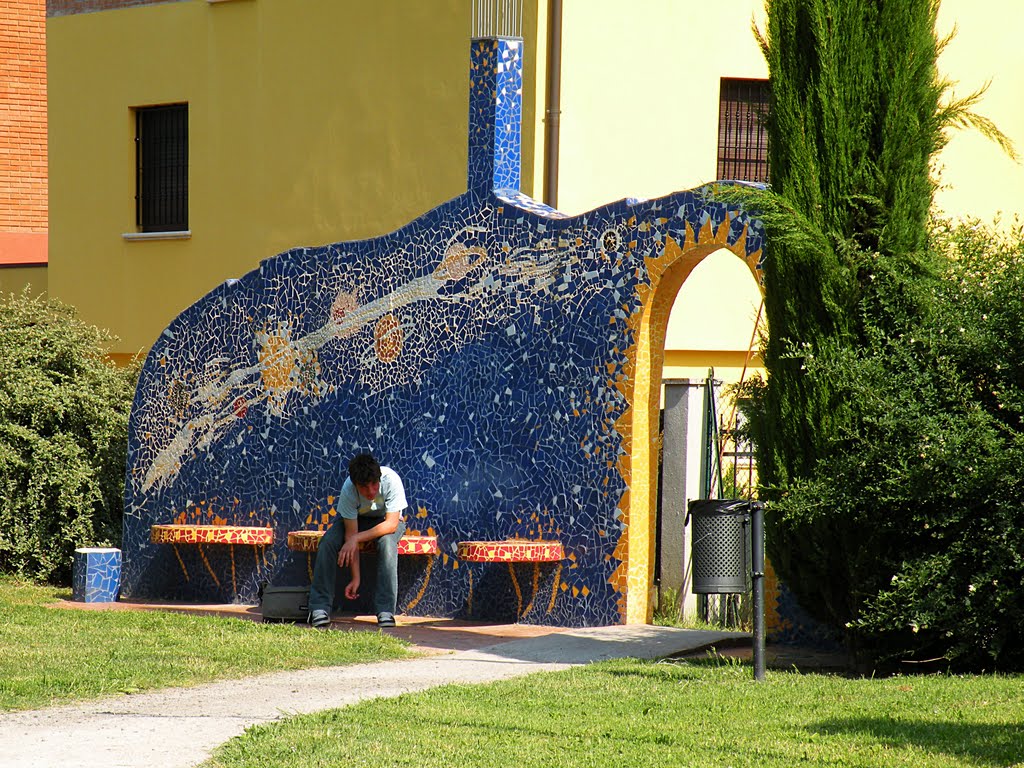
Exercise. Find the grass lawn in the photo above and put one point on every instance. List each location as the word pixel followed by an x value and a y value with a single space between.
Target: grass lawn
pixel 630 713
pixel 50 655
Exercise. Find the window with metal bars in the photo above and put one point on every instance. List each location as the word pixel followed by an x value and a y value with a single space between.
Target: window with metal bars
pixel 742 135
pixel 161 168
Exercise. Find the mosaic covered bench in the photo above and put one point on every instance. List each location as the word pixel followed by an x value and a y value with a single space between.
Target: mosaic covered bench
pixel 308 541
pixel 511 551
pixel 211 534
pixel 514 551
pixel 255 536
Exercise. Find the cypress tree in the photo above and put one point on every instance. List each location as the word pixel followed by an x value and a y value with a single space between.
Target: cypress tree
pixel 854 122
pixel 855 119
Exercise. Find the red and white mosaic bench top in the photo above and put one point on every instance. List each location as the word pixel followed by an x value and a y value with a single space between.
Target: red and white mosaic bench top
pixel 511 551
pixel 211 534
pixel 308 541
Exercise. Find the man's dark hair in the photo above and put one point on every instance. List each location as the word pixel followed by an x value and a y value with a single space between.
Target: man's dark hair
pixel 364 469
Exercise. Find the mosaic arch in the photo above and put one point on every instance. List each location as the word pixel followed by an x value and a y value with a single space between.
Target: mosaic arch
pixel 503 357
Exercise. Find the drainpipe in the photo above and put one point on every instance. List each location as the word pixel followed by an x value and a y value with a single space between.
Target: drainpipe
pixel 553 103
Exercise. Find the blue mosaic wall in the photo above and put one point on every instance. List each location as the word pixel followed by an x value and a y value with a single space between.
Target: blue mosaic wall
pixel 483 351
pixel 794 626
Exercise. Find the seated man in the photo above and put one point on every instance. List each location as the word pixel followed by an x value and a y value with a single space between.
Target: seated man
pixel 369 507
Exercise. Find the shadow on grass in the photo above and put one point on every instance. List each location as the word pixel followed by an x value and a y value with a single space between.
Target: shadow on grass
pixel 689 668
pixel 782 658
pixel 981 743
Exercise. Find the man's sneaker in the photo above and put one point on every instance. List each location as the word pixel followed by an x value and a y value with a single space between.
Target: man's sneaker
pixel 385 620
pixel 319 618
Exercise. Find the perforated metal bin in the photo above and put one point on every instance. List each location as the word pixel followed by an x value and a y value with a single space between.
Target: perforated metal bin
pixel 720 546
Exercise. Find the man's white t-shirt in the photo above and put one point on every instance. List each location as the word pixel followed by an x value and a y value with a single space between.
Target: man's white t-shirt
pixel 390 497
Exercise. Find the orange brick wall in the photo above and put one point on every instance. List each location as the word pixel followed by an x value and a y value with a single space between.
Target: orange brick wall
pixel 23 169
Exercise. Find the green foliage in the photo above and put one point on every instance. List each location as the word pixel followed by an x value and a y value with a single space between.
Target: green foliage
pixel 909 533
pixel 63 438
pixel 955 590
pixel 854 121
pixel 810 303
pixel 855 117
pixel 669 611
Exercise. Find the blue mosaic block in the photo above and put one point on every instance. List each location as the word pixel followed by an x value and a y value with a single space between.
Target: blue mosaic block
pixel 96 575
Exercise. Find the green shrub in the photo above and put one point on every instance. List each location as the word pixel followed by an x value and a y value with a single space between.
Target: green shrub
pixel 957 589
pixel 911 530
pixel 63 438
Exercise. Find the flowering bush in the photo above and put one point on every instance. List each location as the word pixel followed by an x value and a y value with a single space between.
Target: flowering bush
pixel 63 438
pixel 959 590
pixel 912 529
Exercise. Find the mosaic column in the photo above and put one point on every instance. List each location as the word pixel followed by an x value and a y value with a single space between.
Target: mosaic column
pixel 495 113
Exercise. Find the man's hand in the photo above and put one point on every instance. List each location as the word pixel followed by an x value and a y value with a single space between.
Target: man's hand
pixel 352 589
pixel 348 551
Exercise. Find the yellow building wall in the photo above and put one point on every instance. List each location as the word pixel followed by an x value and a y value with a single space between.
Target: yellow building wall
pixel 978 178
pixel 330 121
pixel 713 323
pixel 639 118
pixel 640 97
pixel 16 279
pixel 309 123
pixel 640 90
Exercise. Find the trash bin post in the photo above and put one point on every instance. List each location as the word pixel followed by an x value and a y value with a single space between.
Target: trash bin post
pixel 757 577
pixel 727 552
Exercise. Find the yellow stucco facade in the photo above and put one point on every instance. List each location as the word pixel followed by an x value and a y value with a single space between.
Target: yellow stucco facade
pixel 640 118
pixel 15 279
pixel 977 178
pixel 334 121
pixel 308 123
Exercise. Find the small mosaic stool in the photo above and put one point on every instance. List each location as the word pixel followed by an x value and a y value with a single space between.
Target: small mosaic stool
pixel 96 575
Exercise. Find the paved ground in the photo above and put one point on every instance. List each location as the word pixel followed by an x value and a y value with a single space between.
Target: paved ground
pixel 179 727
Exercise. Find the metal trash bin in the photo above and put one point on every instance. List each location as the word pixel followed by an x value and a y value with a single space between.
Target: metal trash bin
pixel 720 546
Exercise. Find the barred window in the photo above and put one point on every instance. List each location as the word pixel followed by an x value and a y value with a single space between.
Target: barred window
pixel 742 135
pixel 161 168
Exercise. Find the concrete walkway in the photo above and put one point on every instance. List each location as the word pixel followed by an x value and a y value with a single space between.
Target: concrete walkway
pixel 179 727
